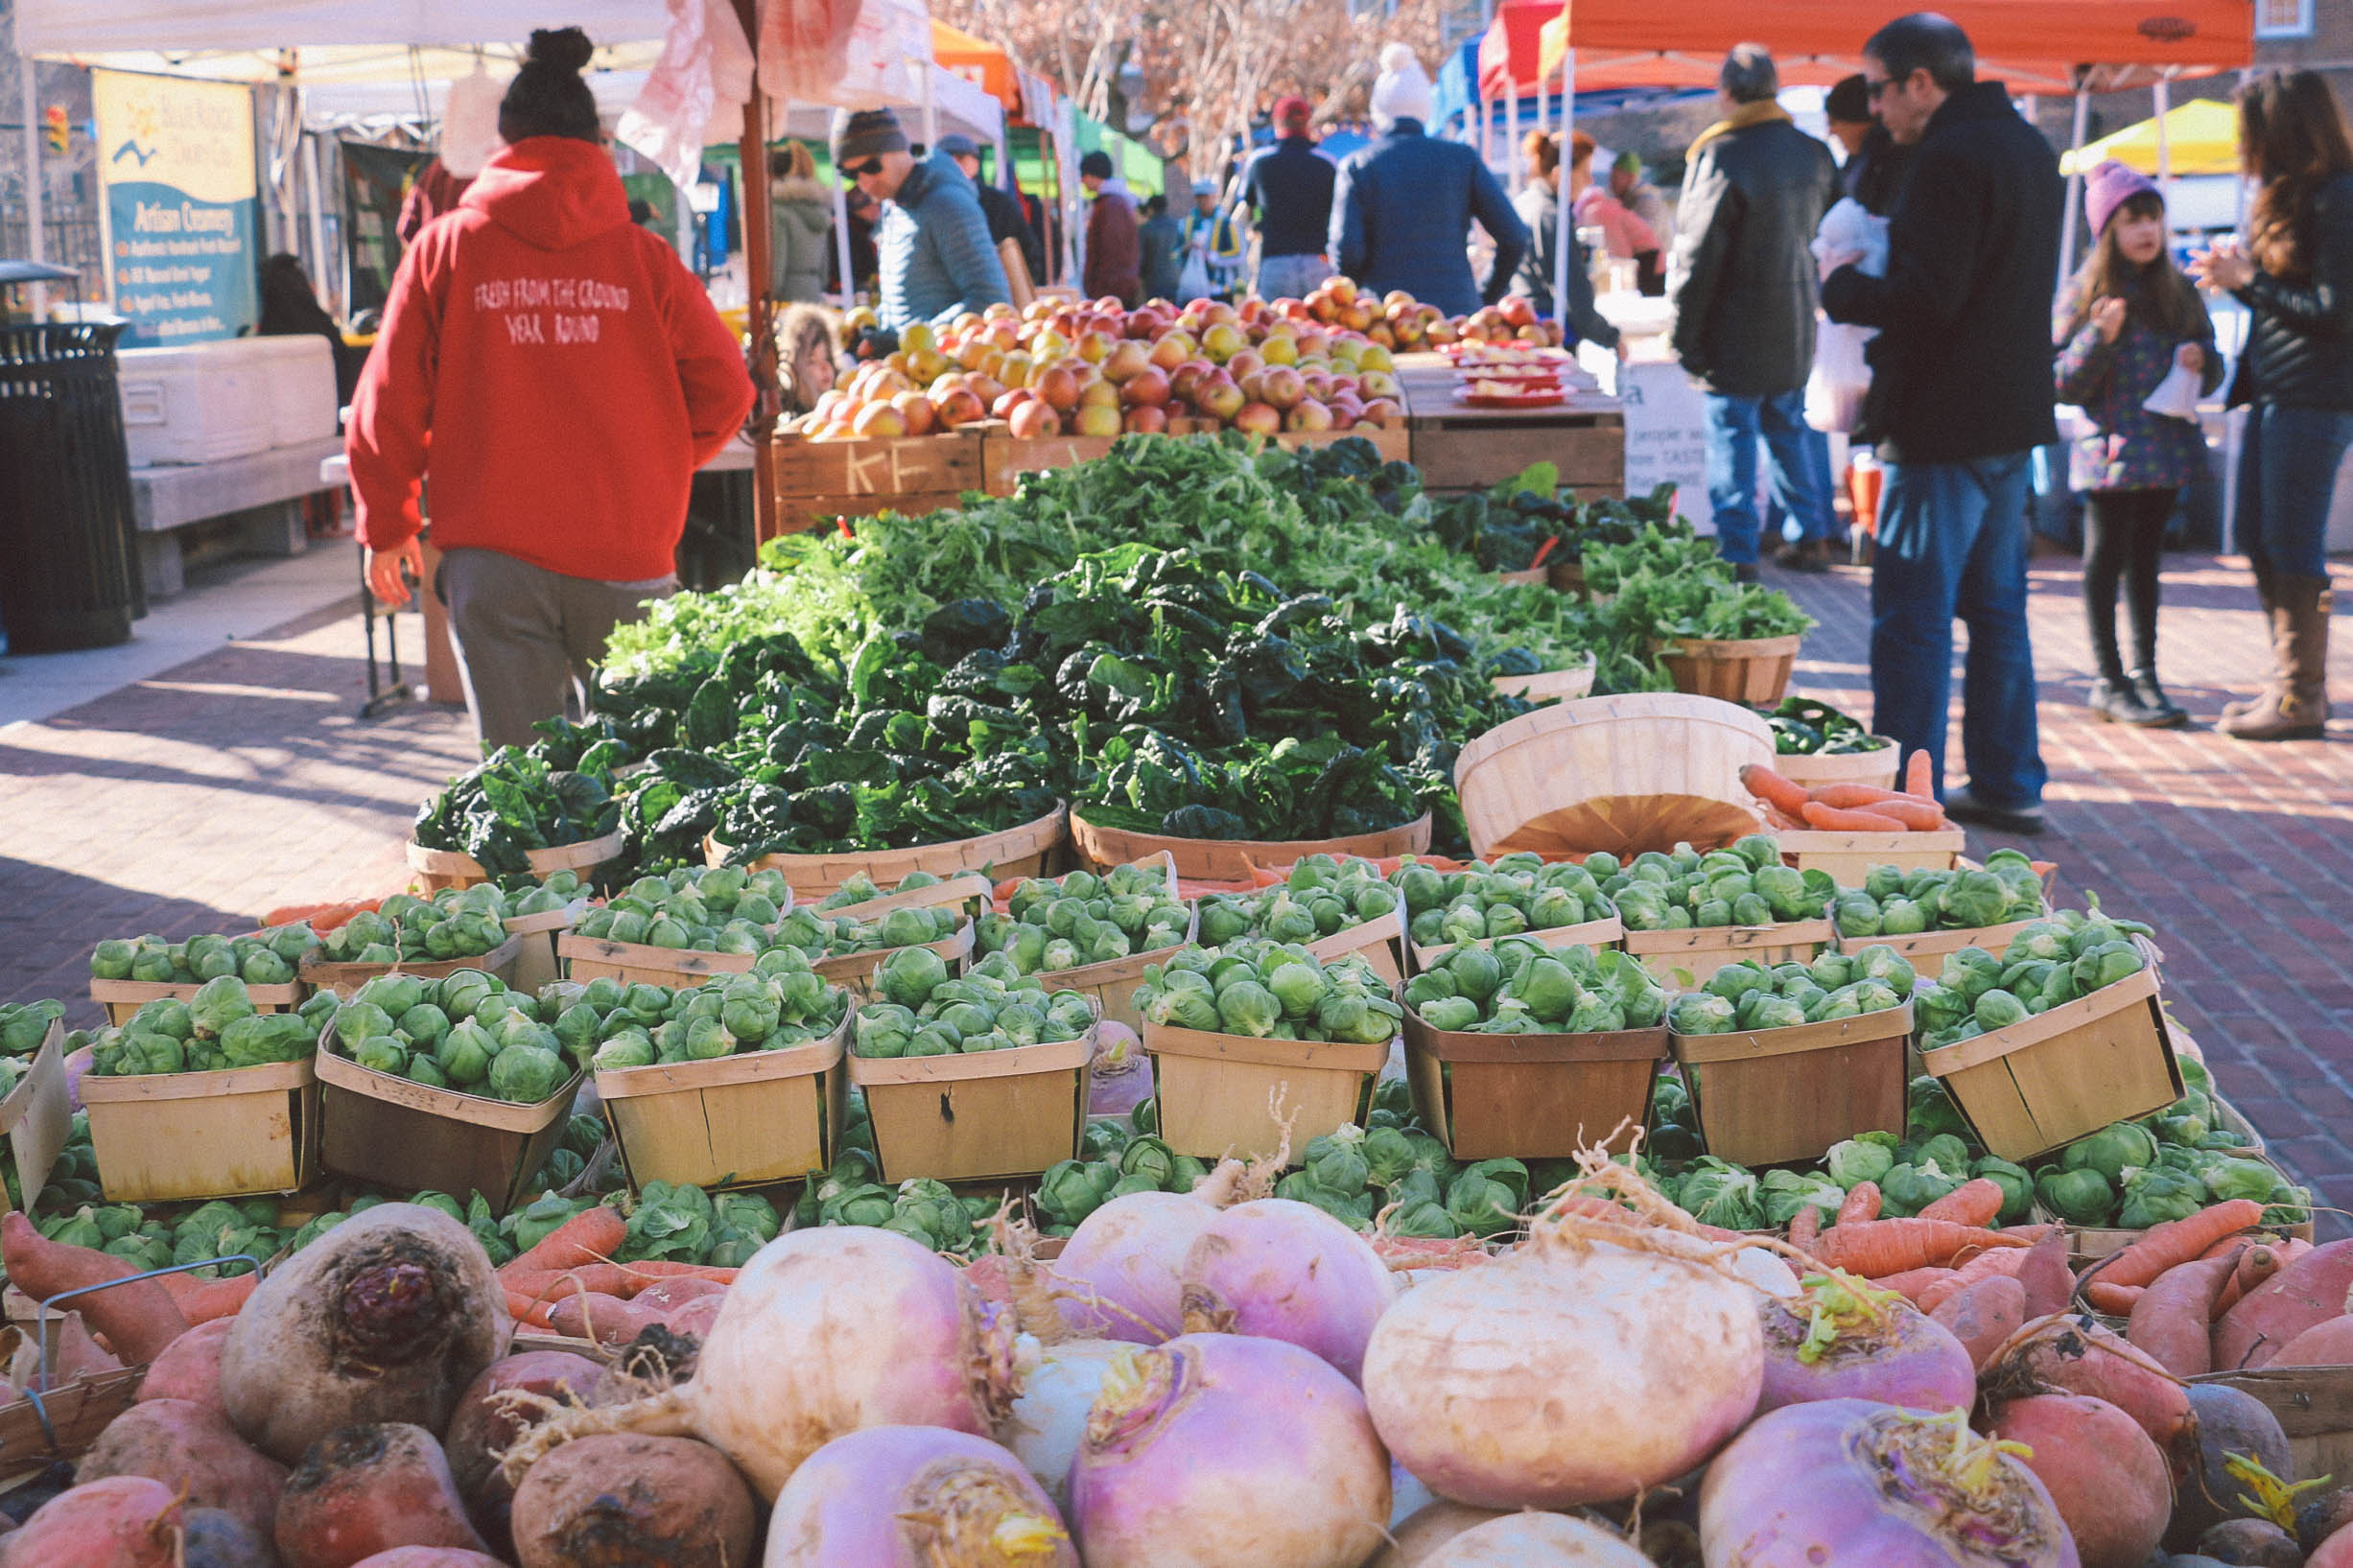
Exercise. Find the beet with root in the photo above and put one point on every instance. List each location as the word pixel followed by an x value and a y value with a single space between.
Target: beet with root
pixel 2227 1422
pixel 364 1489
pixel 484 1425
pixel 386 1318
pixel 2107 1477
pixel 625 1501
pixel 190 1448
pixel 190 1367
pixel 125 1521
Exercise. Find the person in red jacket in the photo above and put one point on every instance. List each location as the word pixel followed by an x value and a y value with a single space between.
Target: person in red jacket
pixel 559 376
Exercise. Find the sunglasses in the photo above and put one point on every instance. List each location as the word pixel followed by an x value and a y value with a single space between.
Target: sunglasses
pixel 856 171
pixel 1873 91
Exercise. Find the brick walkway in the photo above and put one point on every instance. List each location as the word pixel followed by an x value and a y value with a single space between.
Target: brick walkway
pixel 241 781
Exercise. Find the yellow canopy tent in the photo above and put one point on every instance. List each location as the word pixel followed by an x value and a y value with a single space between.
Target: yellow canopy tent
pixel 2201 137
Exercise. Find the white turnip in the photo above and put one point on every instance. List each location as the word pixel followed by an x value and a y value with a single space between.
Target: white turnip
pixel 915 1497
pixel 1120 1274
pixel 1416 1538
pixel 386 1318
pixel 1283 1270
pixel 190 1448
pixel 1228 1451
pixel 366 1489
pixel 428 1557
pixel 627 1499
pixel 1049 1418
pixel 1537 1540
pixel 1840 1339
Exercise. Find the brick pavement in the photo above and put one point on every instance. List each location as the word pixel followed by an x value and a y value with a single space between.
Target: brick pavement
pixel 242 781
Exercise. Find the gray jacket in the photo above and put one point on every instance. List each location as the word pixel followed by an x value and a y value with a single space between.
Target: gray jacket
pixel 1743 281
pixel 933 244
pixel 803 223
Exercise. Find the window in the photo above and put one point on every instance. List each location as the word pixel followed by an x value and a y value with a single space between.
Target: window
pixel 2283 18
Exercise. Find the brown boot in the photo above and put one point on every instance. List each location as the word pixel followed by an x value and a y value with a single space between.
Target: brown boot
pixel 2294 707
pixel 2267 594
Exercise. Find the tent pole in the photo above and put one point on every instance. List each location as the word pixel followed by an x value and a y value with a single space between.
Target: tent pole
pixel 317 215
pixel 2075 187
pixel 930 111
pixel 36 248
pixel 2162 93
pixel 759 323
pixel 1565 223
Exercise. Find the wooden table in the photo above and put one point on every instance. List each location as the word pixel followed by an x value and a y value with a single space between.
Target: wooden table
pixel 1469 449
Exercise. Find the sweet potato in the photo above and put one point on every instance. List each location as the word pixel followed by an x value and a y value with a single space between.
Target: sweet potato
pixel 1983 1315
pixel 385 1317
pixel 428 1557
pixel 190 1367
pixel 623 1498
pixel 2228 1422
pixel 73 1353
pixel 669 1294
pixel 125 1521
pixel 484 1426
pixel 190 1448
pixel 2173 1321
pixel 608 1320
pixel 366 1489
pixel 2335 1551
pixel 2046 1276
pixel 137 1320
pixel 696 1317
pixel 218 1539
pixel 2257 1263
pixel 2069 1355
pixel 2307 1292
pixel 2327 1343
pixel 2109 1480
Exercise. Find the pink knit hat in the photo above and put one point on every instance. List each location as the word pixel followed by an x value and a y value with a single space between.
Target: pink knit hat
pixel 2109 187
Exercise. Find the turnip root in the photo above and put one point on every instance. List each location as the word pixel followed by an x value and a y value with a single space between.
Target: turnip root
pixel 385 1318
pixel 2071 1355
pixel 1122 1268
pixel 1287 1271
pixel 1840 1339
pixel 1983 1316
pixel 2309 1291
pixel 125 1521
pixel 1537 1540
pixel 2326 1343
pixel 218 1539
pixel 190 1367
pixel 2106 1476
pixel 428 1557
pixel 364 1489
pixel 484 1425
pixel 1049 1419
pixel 1228 1451
pixel 192 1450
pixel 914 1497
pixel 1427 1530
pixel 626 1499
pixel 2252 1543
pixel 2227 1423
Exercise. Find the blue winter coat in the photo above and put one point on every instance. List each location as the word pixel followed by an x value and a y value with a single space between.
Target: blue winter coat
pixel 1401 219
pixel 933 245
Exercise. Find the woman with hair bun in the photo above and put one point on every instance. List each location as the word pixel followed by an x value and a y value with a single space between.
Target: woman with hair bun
pixel 558 375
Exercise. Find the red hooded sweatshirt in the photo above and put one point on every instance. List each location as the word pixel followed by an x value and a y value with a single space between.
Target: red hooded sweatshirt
pixel 553 367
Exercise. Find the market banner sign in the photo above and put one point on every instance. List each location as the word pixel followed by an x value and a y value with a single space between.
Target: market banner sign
pixel 175 159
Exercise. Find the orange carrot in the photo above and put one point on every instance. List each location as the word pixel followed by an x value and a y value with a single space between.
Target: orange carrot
pixel 621 1280
pixel 1602 1208
pixel 2257 1264
pixel 2006 1260
pixel 1849 797
pixel 1806 1229
pixel 2116 1301
pixel 1833 820
pixel 593 1236
pixel 1781 794
pixel 2178 1241
pixel 1919 777
pixel 1875 1249
pixel 1862 1204
pixel 1913 1284
pixel 527 1309
pixel 1972 1203
pixel 1921 816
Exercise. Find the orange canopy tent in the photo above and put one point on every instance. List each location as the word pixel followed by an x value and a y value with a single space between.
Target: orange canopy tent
pixel 979 62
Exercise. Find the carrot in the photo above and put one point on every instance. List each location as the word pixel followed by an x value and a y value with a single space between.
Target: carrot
pixel 1914 1283
pixel 1602 1208
pixel 593 1236
pixel 2116 1301
pixel 666 1269
pixel 138 1320
pixel 1775 817
pixel 1782 794
pixel 2257 1264
pixel 1832 819
pixel 621 1280
pixel 1875 1249
pixel 527 1309
pixel 1920 816
pixel 1919 779
pixel 1862 1204
pixel 1850 797
pixel 2160 1246
pixel 2173 1319
pixel 2002 1260
pixel 1972 1203
pixel 1806 1229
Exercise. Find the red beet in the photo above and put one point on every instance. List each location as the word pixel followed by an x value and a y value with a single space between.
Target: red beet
pixel 482 1428
pixel 625 1500
pixel 125 1521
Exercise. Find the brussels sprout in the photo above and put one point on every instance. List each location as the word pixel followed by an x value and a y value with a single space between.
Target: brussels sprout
pixel 1725 1195
pixel 2159 1194
pixel 2080 1196
pixel 525 1074
pixel 1248 1008
pixel 464 1053
pixel 1450 1014
pixel 2114 1149
pixel 1908 1188
pixel 1858 1160
pixel 1701 1014
pixel 2228 1178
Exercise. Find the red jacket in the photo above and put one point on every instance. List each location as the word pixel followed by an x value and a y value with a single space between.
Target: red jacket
pixel 553 367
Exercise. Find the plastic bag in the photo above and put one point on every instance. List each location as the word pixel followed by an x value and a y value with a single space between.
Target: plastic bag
pixel 1193 282
pixel 1841 376
pixel 1849 227
pixel 2175 397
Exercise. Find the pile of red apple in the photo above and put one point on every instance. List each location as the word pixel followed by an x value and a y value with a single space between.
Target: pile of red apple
pixel 1319 364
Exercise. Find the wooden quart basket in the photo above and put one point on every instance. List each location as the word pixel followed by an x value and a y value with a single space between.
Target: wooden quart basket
pixel 401 1133
pixel 1218 1094
pixel 1597 934
pixel 1847 857
pixel 2066 1073
pixel 120 998
pixel 37 1116
pixel 438 868
pixel 236 1133
pixel 1927 951
pixel 1531 1096
pixel 983 1114
pixel 1232 859
pixel 1550 684
pixel 1767 1096
pixel 1751 670
pixel 1882 765
pixel 738 1121
pixel 1700 950
pixel 346 978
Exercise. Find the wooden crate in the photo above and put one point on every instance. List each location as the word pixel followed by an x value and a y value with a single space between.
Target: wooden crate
pixel 408 1135
pixel 1566 575
pixel 639 963
pixel 1232 859
pixel 1881 767
pixel 1531 1096
pixel 2066 1073
pixel 66 1421
pixel 1768 1096
pixel 738 1121
pixel 37 1116
pixel 1641 771
pixel 1460 448
pixel 1034 848
pixel 855 971
pixel 537 963
pixel 120 998
pixel 1927 951
pixel 1549 686
pixel 346 978
pixel 1010 456
pixel 1607 932
pixel 1847 857
pixel 1752 671
pixel 163 1137
pixel 2315 1408
pixel 978 1115
pixel 886 468
pixel 799 514
pixel 1219 1093
pixel 438 868
pixel 1700 950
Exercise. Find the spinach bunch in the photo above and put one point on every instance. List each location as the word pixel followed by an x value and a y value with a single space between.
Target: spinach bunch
pixel 516 801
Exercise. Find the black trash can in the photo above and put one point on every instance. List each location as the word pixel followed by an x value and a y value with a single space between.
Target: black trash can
pixel 69 558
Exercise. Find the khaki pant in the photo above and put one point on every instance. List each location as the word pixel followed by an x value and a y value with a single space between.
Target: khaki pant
pixel 526 637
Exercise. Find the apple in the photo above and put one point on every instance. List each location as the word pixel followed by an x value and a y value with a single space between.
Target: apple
pixel 1187 376
pixel 1149 420
pixel 878 419
pixel 1534 333
pixel 1344 415
pixel 1375 384
pixel 1219 311
pixel 1279 348
pixel 1220 400
pixel 1100 393
pixel 1248 362
pixel 1440 333
pixel 1342 287
pixel 1308 414
pixel 925 365
pixel 1094 346
pixel 959 405
pixel 1222 341
pixel 918 337
pixel 1126 360
pixel 1381 412
pixel 1010 400
pixel 1000 312
pixel 1376 357
pixel 1253 383
pixel 1147 388
pixel 1517 309
pixel 1097 419
pixel 1018 370
pixel 1171 350
pixel 1058 387
pixel 1397 299
pixel 1259 419
pixel 1319 384
pixel 1033 419
pixel 1282 387
pixel 987 388
pixel 1251 309
pixel 922 417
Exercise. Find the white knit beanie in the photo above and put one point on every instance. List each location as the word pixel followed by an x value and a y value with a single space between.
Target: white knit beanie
pixel 1403 90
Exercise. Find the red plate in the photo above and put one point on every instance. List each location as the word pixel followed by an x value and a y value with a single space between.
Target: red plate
pixel 1547 399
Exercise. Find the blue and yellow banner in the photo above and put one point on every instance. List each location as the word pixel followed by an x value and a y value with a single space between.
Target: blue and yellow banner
pixel 176 159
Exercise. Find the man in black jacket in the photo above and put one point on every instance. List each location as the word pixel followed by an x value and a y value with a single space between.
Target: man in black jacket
pixel 1959 396
pixel 1743 286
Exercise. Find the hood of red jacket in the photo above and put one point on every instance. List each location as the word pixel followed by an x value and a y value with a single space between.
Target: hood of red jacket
pixel 551 191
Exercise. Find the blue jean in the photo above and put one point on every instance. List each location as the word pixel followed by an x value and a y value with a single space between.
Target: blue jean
pixel 1733 425
pixel 1290 278
pixel 2287 476
pixel 1952 541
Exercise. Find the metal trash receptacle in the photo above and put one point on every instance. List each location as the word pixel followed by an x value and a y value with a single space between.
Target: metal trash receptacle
pixel 69 559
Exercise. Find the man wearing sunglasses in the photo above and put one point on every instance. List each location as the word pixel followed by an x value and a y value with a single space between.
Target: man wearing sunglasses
pixel 1959 396
pixel 931 241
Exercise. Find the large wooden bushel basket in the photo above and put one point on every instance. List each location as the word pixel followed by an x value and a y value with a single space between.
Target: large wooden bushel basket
pixel 1752 671
pixel 1232 859
pixel 1032 849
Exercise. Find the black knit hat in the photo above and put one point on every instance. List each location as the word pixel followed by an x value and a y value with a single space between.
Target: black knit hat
pixel 546 97
pixel 865 135
pixel 1097 163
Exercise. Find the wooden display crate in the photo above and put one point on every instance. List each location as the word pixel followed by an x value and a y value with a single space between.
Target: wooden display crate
pixel 1010 456
pixel 237 1133
pixel 1034 848
pixel 1233 859
pixel 1219 1093
pixel 1751 671
pixel 120 998
pixel 1847 857
pixel 1531 1096
pixel 439 869
pixel 976 1114
pixel 740 1120
pixel 408 1135
pixel 2066 1073
pixel 817 482
pixel 1379 942
pixel 1460 448
pixel 538 964
pixel 1880 767
pixel 2315 1408
pixel 346 978
pixel 1768 1097
pixel 1597 934
pixel 1700 950
pixel 37 1116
